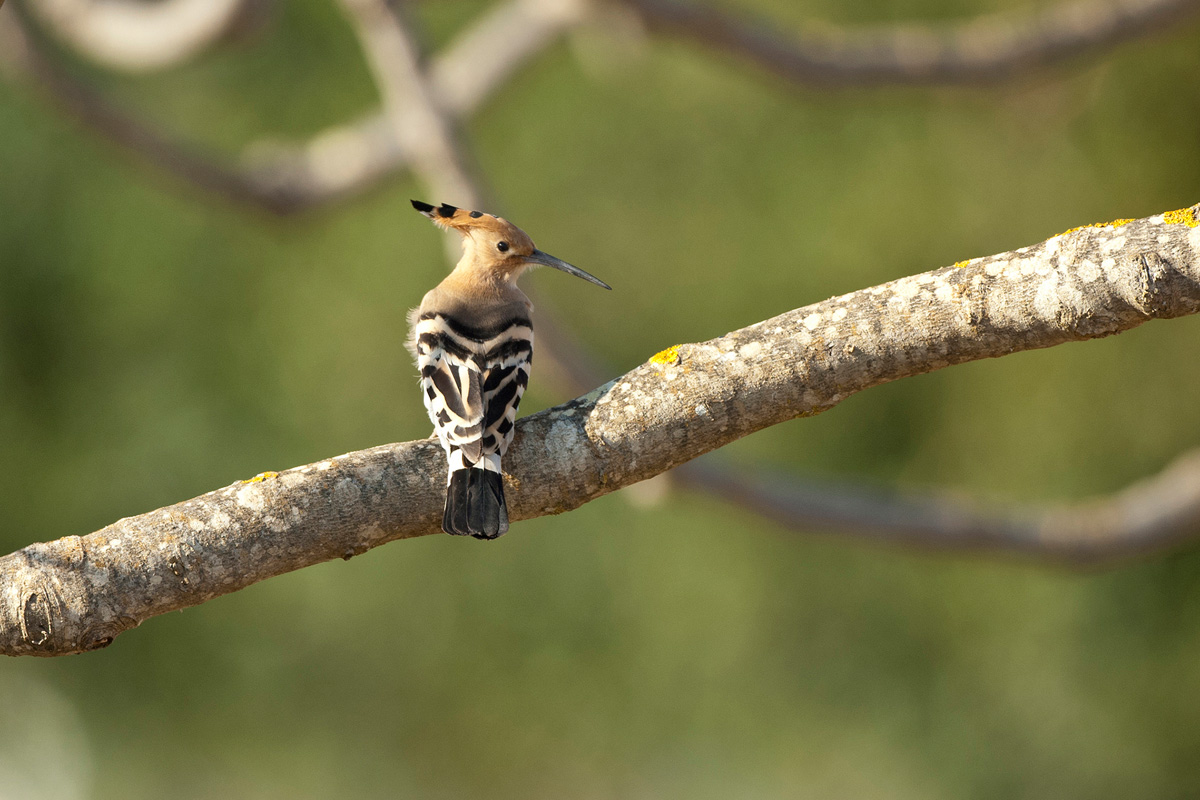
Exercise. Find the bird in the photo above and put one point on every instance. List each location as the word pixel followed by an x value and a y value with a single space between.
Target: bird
pixel 472 338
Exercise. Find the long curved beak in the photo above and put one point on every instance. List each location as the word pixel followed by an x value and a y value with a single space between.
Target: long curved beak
pixel 539 257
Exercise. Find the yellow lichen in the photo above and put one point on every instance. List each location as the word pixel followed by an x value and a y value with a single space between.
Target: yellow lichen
pixel 1186 216
pixel 961 264
pixel 262 476
pixel 1116 223
pixel 667 357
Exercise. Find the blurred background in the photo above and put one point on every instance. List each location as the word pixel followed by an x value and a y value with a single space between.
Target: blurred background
pixel 158 340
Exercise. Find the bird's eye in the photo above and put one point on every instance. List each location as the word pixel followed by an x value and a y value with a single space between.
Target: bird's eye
pixel 502 247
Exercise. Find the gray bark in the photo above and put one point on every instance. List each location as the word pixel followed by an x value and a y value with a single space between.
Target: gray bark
pixel 78 593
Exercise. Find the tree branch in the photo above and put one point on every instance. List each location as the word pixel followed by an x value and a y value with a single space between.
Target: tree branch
pixel 78 593
pixel 410 105
pixel 1151 515
pixel 140 36
pixel 984 50
pixel 489 53
pixel 22 54
pixel 347 160
pixel 334 165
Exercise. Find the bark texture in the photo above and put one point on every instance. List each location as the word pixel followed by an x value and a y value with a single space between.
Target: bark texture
pixel 78 593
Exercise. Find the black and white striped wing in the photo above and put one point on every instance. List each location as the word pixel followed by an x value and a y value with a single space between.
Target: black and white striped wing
pixel 505 379
pixel 453 392
pixel 473 382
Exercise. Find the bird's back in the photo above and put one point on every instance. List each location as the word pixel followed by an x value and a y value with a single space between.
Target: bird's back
pixel 474 353
pixel 472 337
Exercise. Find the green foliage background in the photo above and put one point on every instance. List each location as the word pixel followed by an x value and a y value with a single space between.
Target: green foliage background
pixel 155 344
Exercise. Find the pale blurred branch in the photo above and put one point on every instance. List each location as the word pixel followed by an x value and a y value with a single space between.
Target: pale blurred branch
pixel 492 50
pixel 78 593
pixel 144 36
pixel 1152 515
pixel 983 50
pixel 351 158
pixel 411 105
pixel 21 54
pixel 335 164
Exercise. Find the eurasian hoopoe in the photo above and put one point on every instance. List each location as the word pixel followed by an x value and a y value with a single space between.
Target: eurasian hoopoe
pixel 472 338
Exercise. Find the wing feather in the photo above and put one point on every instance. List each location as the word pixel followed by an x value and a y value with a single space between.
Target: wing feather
pixel 473 386
pixel 505 380
pixel 453 397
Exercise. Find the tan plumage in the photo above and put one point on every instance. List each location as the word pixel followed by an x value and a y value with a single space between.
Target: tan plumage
pixel 472 337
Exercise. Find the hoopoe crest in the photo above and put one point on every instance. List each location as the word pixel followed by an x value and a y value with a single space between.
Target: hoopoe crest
pixel 472 337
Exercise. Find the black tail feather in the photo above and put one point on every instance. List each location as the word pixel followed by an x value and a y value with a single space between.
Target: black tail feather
pixel 454 518
pixel 475 504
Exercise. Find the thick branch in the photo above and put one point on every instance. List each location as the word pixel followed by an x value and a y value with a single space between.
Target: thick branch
pixel 980 51
pixel 77 593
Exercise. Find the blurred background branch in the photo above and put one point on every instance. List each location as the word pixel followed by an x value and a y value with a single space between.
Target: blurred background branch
pixel 335 164
pixel 23 56
pixel 352 157
pixel 135 36
pixel 985 50
pixel 411 106
pixel 1155 514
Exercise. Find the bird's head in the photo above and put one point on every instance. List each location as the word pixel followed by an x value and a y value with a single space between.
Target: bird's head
pixel 494 245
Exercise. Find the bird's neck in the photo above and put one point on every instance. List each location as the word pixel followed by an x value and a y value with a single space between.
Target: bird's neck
pixel 472 275
pixel 485 286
